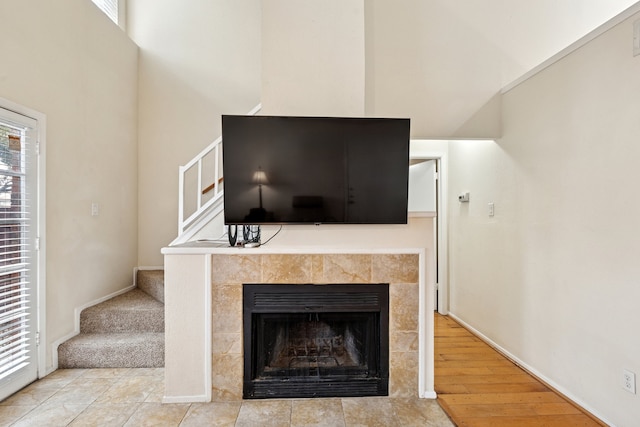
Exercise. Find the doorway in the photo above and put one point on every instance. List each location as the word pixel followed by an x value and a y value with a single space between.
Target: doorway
pixel 19 250
pixel 431 157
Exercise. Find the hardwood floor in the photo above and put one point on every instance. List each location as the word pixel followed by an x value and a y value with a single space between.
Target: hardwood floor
pixel 479 387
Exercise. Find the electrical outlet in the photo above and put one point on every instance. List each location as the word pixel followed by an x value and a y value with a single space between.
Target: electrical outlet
pixel 629 381
pixel 492 209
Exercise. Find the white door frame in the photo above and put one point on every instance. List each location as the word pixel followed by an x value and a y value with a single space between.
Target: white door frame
pixel 41 225
pixel 441 233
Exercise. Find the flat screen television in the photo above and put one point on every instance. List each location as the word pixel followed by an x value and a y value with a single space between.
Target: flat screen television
pixel 315 170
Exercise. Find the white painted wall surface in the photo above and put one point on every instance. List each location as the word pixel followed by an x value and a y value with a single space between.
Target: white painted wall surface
pixel 188 344
pixel 198 60
pixel 440 61
pixel 69 61
pixel 553 276
pixel 418 233
pixel 313 57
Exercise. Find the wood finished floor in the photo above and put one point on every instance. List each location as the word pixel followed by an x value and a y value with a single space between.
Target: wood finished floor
pixel 479 387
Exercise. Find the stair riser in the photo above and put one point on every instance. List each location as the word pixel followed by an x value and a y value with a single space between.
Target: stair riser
pixel 146 353
pixel 122 321
pixel 151 282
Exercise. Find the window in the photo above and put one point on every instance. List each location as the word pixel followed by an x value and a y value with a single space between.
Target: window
pixel 109 7
pixel 19 232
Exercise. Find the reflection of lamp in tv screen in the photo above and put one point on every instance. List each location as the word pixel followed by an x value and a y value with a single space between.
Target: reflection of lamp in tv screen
pixel 258 215
pixel 260 179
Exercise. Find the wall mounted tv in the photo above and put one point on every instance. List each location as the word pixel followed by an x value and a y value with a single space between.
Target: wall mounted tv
pixel 315 170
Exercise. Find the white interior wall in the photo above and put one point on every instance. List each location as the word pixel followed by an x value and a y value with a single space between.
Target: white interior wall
pixel 67 60
pixel 441 61
pixel 552 277
pixel 197 61
pixel 313 58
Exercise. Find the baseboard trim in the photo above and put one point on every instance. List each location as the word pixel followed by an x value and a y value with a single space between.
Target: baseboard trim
pixel 187 399
pixel 534 372
pixel 429 395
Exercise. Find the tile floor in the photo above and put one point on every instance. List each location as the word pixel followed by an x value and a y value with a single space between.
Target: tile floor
pixel 132 397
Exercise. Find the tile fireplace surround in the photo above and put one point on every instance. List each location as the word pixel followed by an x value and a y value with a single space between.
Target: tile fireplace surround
pixel 203 311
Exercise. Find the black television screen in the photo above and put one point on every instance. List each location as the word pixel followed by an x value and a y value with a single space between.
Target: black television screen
pixel 315 170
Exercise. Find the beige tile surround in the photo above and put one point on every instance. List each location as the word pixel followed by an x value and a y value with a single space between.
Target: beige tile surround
pixel 230 271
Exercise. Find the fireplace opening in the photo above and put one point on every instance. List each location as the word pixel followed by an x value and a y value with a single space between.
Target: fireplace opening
pixel 316 340
pixel 318 345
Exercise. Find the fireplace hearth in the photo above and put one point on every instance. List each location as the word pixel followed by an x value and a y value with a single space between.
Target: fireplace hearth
pixel 315 340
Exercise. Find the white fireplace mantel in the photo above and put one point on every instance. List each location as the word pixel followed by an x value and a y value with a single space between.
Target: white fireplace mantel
pixel 189 309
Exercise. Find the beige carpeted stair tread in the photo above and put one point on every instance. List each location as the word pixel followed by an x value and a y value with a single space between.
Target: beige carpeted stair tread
pixel 126 331
pixel 113 350
pixel 133 311
pixel 134 299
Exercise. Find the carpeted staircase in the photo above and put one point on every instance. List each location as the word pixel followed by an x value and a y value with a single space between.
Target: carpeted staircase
pixel 126 331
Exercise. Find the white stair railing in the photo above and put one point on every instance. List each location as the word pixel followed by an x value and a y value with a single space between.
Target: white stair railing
pixel 201 186
pixel 203 200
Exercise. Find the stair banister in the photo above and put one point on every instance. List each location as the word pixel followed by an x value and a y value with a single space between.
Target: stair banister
pixel 184 224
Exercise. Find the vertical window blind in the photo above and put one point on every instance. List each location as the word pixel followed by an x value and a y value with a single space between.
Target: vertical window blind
pixel 15 251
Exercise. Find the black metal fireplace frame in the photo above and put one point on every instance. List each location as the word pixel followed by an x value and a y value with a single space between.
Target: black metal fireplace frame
pixel 261 299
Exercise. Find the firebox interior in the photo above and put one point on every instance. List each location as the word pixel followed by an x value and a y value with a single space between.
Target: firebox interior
pixel 316 340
